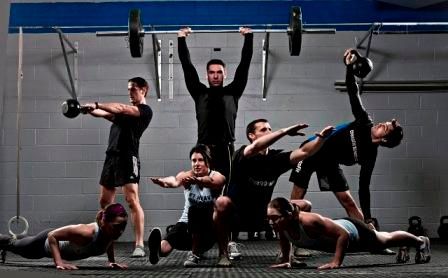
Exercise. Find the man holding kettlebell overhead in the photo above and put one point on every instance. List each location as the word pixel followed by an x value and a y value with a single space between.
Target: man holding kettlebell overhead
pixel 122 164
pixel 351 143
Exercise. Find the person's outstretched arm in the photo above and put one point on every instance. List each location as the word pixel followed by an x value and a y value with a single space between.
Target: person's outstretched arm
pixel 170 181
pixel 310 147
pixel 269 139
pixel 214 181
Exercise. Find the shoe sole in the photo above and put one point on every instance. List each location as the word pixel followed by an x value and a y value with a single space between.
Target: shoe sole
pixel 154 239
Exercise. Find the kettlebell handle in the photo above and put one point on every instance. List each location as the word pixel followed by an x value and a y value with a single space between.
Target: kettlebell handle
pixel 414 219
pixel 443 220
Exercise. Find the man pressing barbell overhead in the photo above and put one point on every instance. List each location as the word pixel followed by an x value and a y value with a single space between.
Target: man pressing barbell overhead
pixel 122 165
pixel 351 143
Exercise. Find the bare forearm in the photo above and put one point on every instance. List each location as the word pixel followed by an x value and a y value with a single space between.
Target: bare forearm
pixel 111 253
pixel 54 247
pixel 264 142
pixel 170 182
pixel 210 182
pixel 306 150
pixel 341 245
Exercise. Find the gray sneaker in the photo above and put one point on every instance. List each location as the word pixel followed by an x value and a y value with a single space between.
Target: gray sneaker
pixel 423 254
pixel 139 252
pixel 403 255
pixel 192 260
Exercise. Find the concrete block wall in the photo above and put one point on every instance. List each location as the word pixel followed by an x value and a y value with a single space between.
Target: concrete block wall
pixel 61 158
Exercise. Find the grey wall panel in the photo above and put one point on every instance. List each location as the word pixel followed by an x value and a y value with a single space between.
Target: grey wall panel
pixel 64 157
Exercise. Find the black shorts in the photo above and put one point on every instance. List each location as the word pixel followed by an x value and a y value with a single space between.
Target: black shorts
pixel 222 162
pixel 329 175
pixel 120 170
pixel 367 237
pixel 200 222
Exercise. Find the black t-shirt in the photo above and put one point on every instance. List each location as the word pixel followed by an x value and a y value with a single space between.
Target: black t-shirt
pixel 253 181
pixel 125 132
pixel 216 107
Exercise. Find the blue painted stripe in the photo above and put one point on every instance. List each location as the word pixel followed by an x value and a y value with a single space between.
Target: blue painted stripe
pixel 337 129
pixel 183 13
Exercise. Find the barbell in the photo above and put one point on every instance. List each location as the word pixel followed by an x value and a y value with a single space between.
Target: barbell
pixel 136 32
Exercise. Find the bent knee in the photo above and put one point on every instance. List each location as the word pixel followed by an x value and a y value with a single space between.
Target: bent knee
pixel 223 203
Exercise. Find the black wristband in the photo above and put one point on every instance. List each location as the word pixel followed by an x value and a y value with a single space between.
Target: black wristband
pixel 96 105
pixel 320 136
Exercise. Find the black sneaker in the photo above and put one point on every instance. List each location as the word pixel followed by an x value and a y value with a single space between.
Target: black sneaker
pixel 154 239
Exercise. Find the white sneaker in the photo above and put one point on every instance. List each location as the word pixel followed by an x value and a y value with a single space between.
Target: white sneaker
pixel 423 254
pixel 234 253
pixel 192 260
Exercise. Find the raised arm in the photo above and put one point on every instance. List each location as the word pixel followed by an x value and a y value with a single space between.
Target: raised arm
pixel 242 71
pixel 311 147
pixel 269 139
pixel 358 109
pixel 190 74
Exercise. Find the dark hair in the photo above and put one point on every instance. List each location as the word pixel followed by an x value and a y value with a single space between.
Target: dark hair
pixel 141 83
pixel 204 151
pixel 251 126
pixel 285 207
pixel 215 62
pixel 394 138
pixel 111 211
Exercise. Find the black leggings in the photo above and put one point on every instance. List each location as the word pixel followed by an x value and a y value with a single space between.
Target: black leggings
pixel 31 247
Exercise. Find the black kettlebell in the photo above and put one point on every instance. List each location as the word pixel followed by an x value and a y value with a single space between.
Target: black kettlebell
pixel 443 228
pixel 361 65
pixel 415 226
pixel 71 108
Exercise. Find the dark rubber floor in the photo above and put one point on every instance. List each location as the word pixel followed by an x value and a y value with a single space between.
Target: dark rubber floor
pixel 257 257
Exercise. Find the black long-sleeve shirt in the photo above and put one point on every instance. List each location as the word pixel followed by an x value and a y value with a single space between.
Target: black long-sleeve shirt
pixel 351 143
pixel 216 107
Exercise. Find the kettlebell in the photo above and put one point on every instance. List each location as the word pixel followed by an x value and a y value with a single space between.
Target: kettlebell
pixel 71 108
pixel 443 228
pixel 415 226
pixel 361 65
